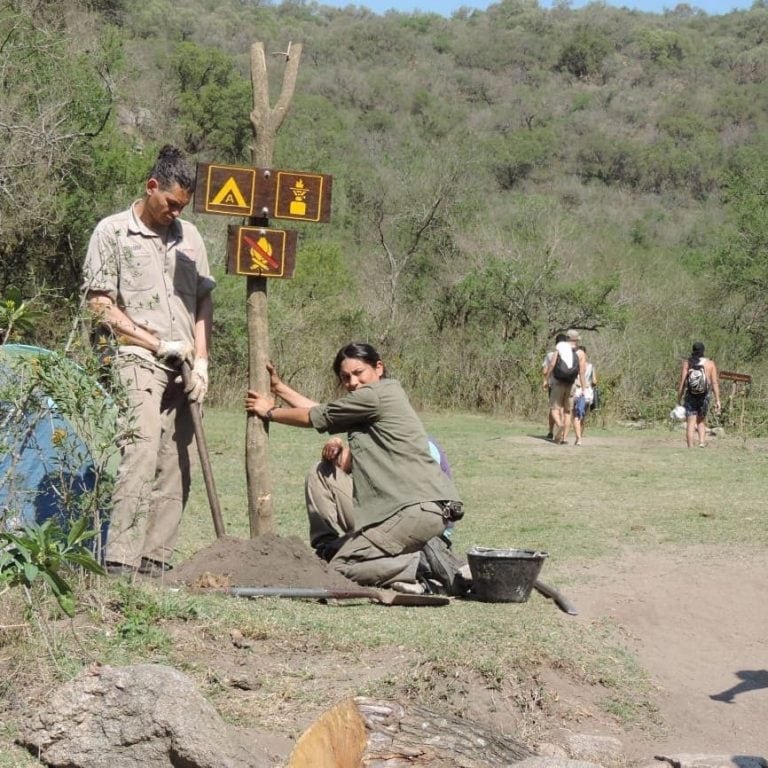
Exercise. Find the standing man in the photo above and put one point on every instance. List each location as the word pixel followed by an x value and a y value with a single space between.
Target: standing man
pixel 567 365
pixel 146 278
pixel 698 377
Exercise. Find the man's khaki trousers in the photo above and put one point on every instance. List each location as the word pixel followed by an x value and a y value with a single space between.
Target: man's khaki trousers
pixel 153 479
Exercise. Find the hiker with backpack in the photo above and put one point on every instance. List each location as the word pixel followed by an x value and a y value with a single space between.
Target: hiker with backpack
pixel 568 364
pixel 548 382
pixel 698 379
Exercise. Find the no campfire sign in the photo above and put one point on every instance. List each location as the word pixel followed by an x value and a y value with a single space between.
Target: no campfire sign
pixel 261 252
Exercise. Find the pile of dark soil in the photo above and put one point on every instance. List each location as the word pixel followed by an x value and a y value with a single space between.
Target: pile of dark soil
pixel 266 561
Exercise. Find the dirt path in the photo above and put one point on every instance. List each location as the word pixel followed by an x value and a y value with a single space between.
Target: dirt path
pixel 698 623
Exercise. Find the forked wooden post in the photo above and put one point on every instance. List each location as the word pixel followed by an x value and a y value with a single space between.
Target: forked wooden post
pixel 265 123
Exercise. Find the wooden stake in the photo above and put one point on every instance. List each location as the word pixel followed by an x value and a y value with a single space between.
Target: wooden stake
pixel 265 123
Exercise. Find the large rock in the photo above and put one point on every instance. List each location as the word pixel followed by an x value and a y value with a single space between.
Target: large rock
pixel 143 716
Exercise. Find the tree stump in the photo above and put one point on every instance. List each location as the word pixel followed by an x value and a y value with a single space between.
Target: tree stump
pixel 370 733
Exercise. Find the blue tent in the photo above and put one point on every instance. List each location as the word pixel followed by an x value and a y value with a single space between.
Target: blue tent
pixel 45 465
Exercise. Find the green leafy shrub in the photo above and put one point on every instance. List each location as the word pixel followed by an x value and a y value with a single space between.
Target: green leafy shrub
pixel 143 613
pixel 516 155
pixel 44 553
pixel 661 46
pixel 584 54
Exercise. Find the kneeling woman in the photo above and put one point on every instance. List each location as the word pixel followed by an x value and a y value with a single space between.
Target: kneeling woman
pixel 402 497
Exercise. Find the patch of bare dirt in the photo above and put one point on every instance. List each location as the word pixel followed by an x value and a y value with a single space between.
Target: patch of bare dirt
pixel 697 622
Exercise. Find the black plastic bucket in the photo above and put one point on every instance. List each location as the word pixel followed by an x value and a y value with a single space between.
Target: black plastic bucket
pixel 504 575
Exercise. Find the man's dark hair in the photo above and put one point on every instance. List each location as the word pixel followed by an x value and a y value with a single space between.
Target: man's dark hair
pixel 171 167
pixel 560 337
pixel 357 350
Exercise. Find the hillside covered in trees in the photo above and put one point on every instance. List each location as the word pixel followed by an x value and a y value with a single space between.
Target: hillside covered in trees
pixel 498 176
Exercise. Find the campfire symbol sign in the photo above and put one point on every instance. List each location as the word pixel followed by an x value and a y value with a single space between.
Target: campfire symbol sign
pixel 261 251
pixel 261 254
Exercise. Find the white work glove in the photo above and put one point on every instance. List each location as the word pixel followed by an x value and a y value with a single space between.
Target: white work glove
pixel 174 350
pixel 198 380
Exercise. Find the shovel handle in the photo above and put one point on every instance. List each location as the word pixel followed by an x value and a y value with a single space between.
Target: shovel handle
pixel 560 600
pixel 318 593
pixel 381 596
pixel 205 461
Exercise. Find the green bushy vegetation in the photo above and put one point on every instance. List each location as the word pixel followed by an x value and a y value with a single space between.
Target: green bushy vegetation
pixel 498 176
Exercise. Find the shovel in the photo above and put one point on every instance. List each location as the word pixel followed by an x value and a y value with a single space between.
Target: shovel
pixel 205 461
pixel 382 596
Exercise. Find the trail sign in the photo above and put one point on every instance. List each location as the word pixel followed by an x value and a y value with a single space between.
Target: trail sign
pixel 743 378
pixel 225 189
pixel 302 196
pixel 261 252
pixel 263 192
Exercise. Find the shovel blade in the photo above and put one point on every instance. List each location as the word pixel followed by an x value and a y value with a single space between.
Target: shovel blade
pixel 390 597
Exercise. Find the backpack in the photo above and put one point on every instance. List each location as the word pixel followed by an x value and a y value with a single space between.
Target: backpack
pixel 696 380
pixel 566 373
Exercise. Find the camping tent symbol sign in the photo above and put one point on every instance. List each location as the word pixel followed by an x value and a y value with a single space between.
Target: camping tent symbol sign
pixel 227 189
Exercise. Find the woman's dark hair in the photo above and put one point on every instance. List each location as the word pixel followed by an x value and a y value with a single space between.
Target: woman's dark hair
pixel 697 352
pixel 357 350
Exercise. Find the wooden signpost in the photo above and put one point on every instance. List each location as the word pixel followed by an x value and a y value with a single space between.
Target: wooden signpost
pixel 742 378
pixel 737 379
pixel 258 252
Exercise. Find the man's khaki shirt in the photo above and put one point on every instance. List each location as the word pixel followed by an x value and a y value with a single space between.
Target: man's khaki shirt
pixel 157 280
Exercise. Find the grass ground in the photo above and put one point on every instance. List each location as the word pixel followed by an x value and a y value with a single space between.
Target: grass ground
pixel 624 490
pixel 637 487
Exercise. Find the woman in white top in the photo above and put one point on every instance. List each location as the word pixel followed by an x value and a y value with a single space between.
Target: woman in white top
pixel 583 397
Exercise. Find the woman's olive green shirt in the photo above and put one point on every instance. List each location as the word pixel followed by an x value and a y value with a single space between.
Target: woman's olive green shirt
pixel 391 464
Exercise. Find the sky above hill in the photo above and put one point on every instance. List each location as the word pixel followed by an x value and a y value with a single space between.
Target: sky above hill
pixel 447 7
